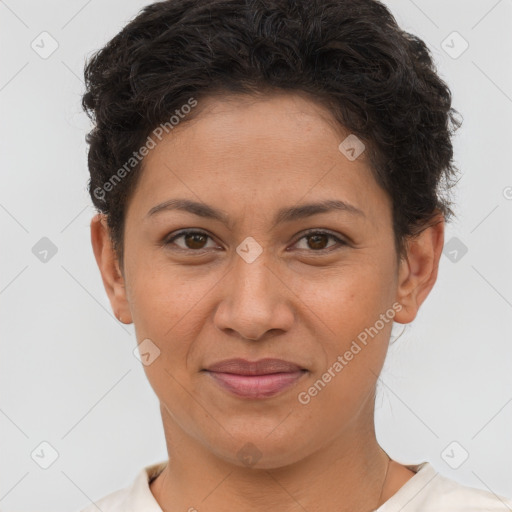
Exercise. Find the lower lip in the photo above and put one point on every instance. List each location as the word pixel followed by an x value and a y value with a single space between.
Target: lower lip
pixel 256 386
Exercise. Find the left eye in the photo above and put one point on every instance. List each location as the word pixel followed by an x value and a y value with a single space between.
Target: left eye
pixel 317 240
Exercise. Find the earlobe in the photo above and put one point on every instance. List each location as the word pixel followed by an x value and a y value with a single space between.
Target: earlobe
pixel 418 272
pixel 108 264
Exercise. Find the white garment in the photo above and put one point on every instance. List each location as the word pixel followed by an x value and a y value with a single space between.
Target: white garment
pixel 426 491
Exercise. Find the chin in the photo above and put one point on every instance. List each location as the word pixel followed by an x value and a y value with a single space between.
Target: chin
pixel 260 448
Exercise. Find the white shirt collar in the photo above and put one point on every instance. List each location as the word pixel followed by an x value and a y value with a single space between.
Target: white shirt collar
pixel 139 496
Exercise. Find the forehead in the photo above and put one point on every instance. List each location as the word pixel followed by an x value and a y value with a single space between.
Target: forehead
pixel 260 151
pixel 279 115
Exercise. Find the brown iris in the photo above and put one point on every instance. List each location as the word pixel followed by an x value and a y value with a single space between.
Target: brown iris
pixel 318 241
pixel 195 240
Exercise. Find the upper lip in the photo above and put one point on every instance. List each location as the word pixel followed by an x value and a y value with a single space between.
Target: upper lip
pixel 261 367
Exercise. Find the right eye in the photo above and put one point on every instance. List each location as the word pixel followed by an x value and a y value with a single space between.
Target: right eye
pixel 194 241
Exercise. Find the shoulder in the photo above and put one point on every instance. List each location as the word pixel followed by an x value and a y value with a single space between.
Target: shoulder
pixel 452 495
pixel 430 491
pixel 113 502
pixel 135 498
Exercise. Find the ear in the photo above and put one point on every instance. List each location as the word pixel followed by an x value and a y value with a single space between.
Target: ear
pixel 418 272
pixel 107 261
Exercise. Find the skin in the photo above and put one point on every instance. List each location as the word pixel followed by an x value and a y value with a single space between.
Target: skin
pixel 250 157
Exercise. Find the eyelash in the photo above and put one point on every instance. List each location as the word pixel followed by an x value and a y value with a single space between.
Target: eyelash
pixel 305 235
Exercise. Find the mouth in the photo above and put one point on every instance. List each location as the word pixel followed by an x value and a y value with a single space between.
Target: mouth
pixel 255 379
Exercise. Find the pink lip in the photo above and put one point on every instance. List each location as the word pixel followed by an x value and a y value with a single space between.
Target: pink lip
pixel 258 379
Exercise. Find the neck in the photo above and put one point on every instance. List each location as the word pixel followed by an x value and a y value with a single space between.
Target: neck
pixel 347 474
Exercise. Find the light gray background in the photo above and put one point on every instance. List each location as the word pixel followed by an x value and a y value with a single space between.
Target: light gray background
pixel 68 375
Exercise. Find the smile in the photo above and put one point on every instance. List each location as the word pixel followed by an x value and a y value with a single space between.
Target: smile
pixel 259 379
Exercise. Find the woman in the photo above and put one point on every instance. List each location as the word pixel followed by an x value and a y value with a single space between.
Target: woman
pixel 269 179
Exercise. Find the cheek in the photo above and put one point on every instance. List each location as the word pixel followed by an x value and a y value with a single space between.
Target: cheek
pixel 345 301
pixel 168 307
pixel 161 294
pixel 346 311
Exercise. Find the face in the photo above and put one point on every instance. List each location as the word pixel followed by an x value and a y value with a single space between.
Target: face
pixel 264 273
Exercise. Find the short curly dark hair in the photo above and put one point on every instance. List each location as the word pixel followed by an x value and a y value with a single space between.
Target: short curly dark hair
pixel 379 82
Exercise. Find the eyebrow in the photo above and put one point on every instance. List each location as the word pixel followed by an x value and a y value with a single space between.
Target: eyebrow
pixel 283 215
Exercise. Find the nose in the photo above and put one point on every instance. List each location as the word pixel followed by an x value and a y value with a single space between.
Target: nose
pixel 255 303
